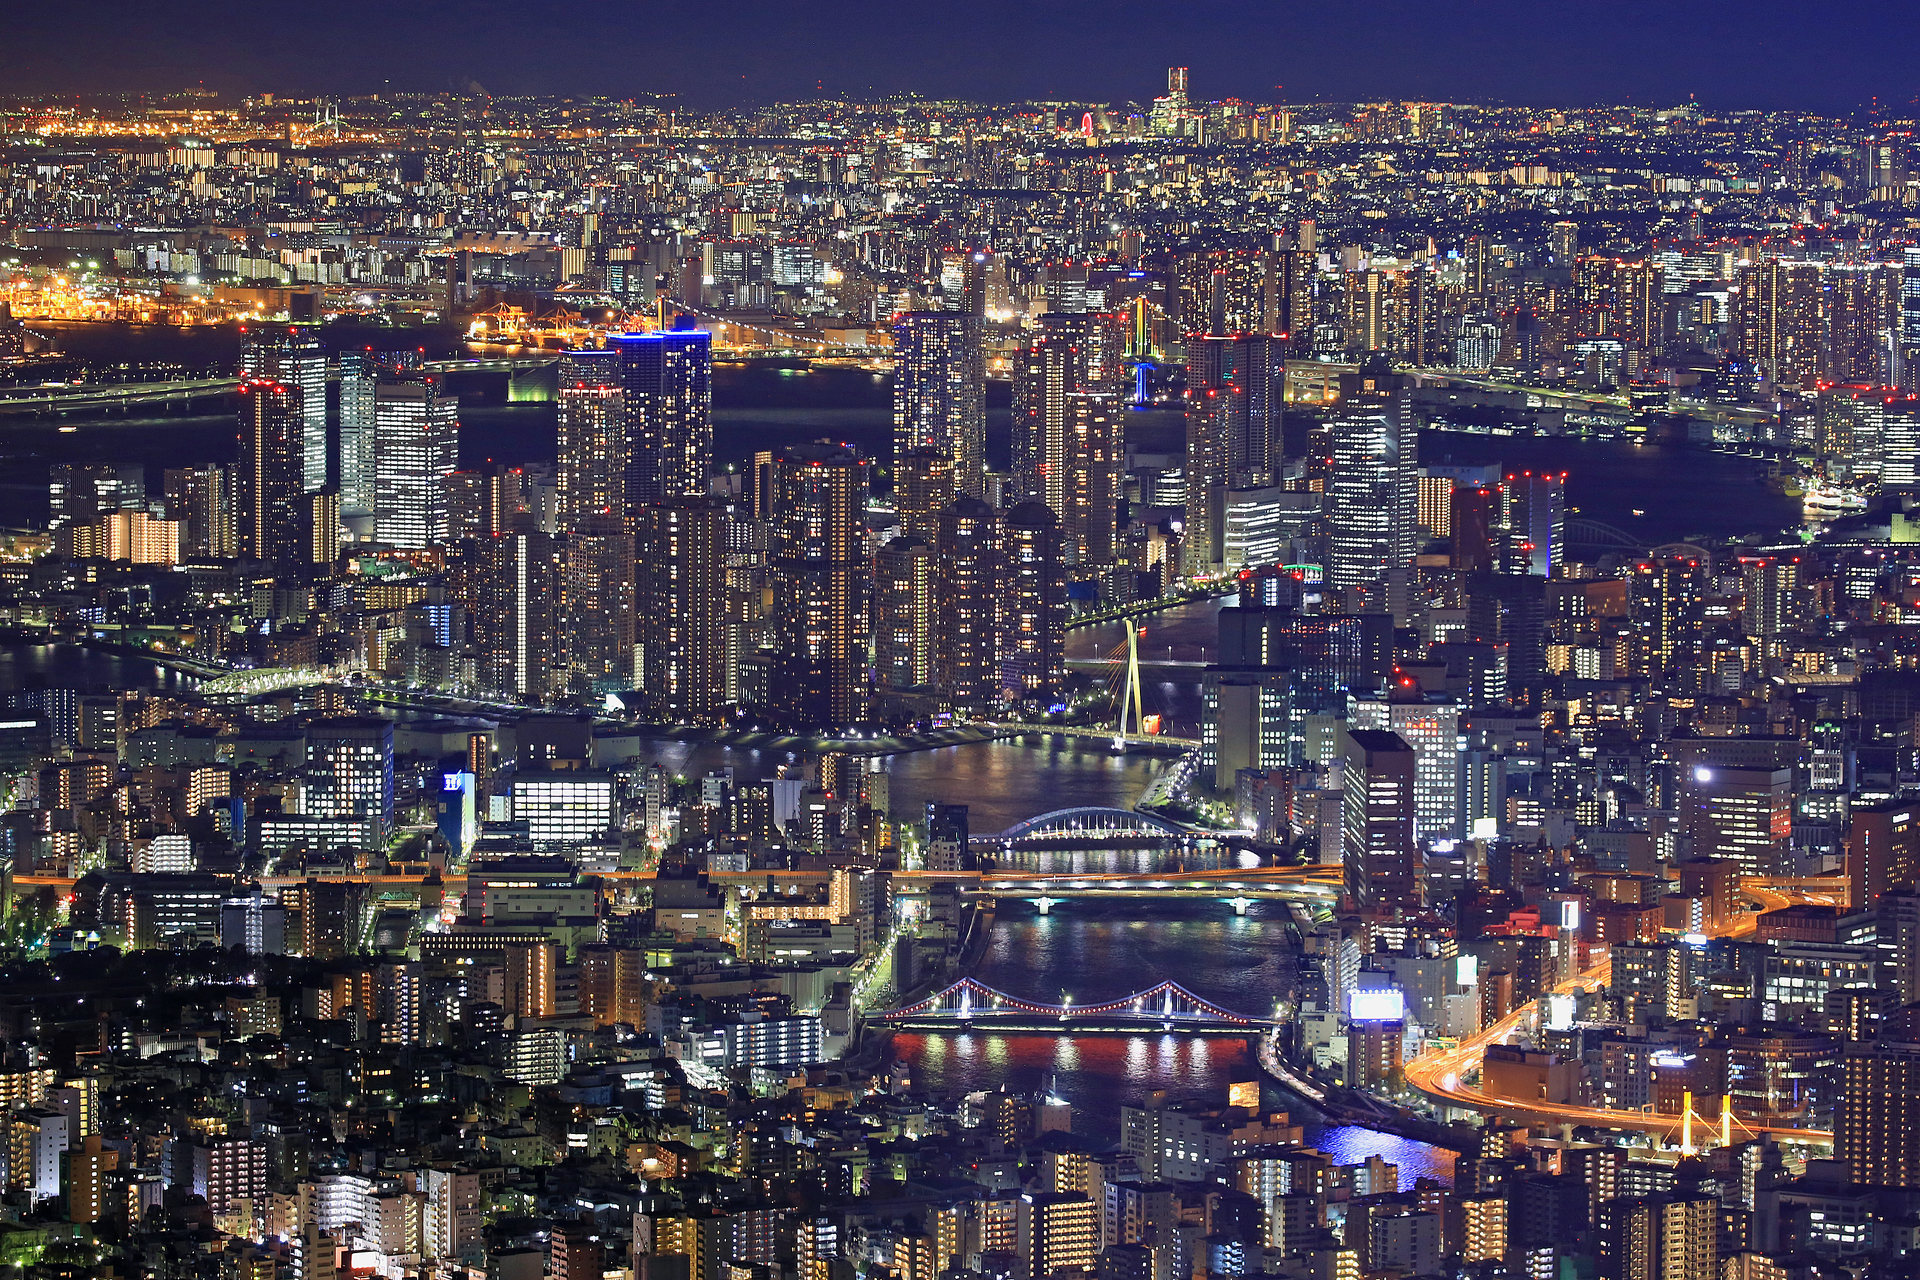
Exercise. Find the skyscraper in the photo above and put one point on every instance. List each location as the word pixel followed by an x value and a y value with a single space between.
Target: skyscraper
pixel 1374 483
pixel 1536 520
pixel 418 447
pixel 820 575
pixel 1033 615
pixel 1089 518
pixel 904 583
pixel 266 487
pixel 1377 845
pixel 597 608
pixel 1066 353
pixel 923 485
pixel 939 391
pixel 1246 375
pixel 1877 1123
pixel 970 595
pixel 591 470
pixel 517 613
pixel 666 383
pixel 681 592
pixel 292 355
pixel 201 500
pixel 359 423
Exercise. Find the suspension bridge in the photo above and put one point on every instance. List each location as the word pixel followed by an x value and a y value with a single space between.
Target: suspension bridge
pixel 1167 1006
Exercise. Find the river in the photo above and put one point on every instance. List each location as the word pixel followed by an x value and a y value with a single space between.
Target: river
pixel 1096 952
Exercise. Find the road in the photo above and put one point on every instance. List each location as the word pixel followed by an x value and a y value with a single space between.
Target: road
pixel 1443 1073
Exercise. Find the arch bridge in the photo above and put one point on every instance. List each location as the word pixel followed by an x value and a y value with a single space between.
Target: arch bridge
pixel 1092 821
pixel 1167 1005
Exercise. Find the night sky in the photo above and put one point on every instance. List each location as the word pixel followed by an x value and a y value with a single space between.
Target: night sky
pixel 1756 53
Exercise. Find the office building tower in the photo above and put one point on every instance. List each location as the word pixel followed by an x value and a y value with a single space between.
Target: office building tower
pixel 1033 612
pixel 591 470
pixel 970 592
pixel 418 448
pixel 939 391
pixel 905 582
pixel 666 386
pixel 349 777
pixel 200 501
pixel 1535 515
pixel 1377 847
pixel 1089 516
pixel 1374 482
pixel 292 356
pixel 267 486
pixel 516 613
pixel 359 434
pixel 680 586
pixel 1744 816
pixel 820 575
pixel 923 485
pixel 597 608
pixel 1909 332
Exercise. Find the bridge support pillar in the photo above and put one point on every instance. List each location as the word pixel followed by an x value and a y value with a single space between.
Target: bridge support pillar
pixel 1045 904
pixel 1239 905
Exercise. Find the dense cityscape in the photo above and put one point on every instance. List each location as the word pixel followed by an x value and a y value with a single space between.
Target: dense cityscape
pixel 890 689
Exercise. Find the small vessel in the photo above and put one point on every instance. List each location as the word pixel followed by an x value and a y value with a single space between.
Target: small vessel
pixel 1828 502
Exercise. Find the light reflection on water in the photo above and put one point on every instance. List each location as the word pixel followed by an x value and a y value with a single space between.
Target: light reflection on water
pixel 1100 952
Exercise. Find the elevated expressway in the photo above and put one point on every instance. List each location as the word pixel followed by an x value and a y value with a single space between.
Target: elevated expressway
pixel 1444 1074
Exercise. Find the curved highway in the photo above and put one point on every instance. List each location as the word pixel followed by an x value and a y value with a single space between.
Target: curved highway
pixel 1443 1074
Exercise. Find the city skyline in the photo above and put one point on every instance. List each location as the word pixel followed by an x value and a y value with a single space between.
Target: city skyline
pixel 1763 56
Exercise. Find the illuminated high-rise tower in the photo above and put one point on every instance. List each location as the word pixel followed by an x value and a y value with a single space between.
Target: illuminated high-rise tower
pixel 1067 353
pixel 417 449
pixel 970 594
pixel 939 391
pixel 666 383
pixel 1248 374
pixel 1536 520
pixel 681 593
pixel 349 777
pixel 1094 461
pixel 1033 614
pixel 592 454
pixel 597 607
pixel 266 482
pixel 922 488
pixel 359 376
pixel 904 605
pixel 291 355
pixel 821 587
pixel 1373 486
